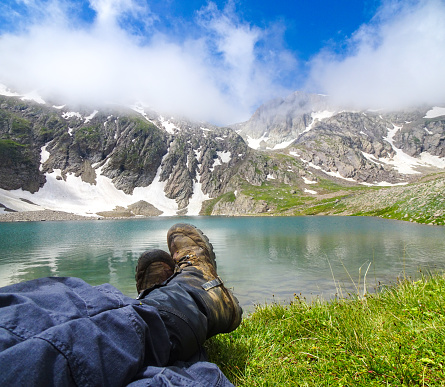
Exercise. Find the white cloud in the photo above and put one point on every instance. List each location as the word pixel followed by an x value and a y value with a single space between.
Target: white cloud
pixel 397 60
pixel 219 74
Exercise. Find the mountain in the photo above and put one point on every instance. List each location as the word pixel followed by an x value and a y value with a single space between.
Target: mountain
pixel 296 155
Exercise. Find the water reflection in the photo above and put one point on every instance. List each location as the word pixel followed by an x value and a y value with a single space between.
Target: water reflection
pixel 263 259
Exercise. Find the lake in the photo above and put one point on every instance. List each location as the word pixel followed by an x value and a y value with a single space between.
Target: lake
pixel 263 259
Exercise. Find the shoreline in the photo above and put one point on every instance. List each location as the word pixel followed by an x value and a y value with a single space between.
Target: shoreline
pixel 52 215
pixel 42 216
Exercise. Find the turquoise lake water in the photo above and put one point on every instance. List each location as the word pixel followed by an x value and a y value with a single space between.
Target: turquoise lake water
pixel 263 259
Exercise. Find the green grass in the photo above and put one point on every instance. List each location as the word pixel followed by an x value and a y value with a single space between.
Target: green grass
pixel 277 195
pixel 392 338
pixel 210 204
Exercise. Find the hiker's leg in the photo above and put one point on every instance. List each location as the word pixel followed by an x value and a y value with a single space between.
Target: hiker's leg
pixel 62 331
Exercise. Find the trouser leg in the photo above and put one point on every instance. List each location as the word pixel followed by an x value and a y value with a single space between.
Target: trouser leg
pixel 193 310
pixel 184 317
pixel 62 331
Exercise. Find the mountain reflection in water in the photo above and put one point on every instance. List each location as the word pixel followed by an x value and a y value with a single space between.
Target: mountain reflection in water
pixel 263 259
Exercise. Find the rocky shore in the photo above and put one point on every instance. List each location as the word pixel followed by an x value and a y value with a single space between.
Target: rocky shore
pixel 44 215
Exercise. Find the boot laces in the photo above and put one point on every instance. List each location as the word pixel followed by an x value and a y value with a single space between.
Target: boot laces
pixel 184 261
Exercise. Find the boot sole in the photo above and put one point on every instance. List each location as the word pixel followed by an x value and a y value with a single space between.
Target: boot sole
pixel 146 259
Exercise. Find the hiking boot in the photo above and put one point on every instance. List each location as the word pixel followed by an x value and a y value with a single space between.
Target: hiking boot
pixel 154 268
pixel 193 253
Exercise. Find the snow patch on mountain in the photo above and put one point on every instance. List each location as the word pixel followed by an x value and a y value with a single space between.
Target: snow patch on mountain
pixel 7 92
pixel 283 145
pixel 383 184
pixel 78 197
pixel 433 160
pixel 44 156
pixel 31 96
pixel 435 112
pixel 68 115
pixel 91 116
pixel 330 173
pixel 224 156
pixel 254 143
pixel 318 116
pixel 401 161
pixel 167 125
pixel 307 181
pixel 197 198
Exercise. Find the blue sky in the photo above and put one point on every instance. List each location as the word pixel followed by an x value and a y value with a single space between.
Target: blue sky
pixel 218 61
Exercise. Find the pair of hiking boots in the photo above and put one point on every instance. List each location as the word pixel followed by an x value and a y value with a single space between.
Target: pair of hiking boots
pixel 191 262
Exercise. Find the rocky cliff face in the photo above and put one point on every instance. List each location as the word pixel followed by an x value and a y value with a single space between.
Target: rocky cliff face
pixel 172 166
pixel 366 146
pixel 123 145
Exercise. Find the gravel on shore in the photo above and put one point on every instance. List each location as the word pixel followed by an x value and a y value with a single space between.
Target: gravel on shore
pixel 44 215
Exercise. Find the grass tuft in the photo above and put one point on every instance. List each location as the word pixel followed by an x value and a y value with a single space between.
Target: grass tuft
pixel 394 337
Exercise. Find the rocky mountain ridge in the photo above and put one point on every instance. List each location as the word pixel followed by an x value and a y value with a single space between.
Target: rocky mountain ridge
pixel 116 161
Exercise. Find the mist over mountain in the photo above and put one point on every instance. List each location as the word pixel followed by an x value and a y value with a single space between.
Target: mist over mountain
pixel 293 153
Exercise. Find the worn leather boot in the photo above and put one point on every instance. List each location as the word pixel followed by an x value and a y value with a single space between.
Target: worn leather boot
pixel 193 253
pixel 154 268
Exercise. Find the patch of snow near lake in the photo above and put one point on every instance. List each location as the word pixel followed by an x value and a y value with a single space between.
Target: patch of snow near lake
pixel 44 156
pixel 310 191
pixel 14 202
pixel 76 196
pixel 254 143
pixel 435 112
pixel 295 154
pixel 197 198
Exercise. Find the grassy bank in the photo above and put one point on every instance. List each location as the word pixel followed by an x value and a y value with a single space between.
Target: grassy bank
pixel 395 337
